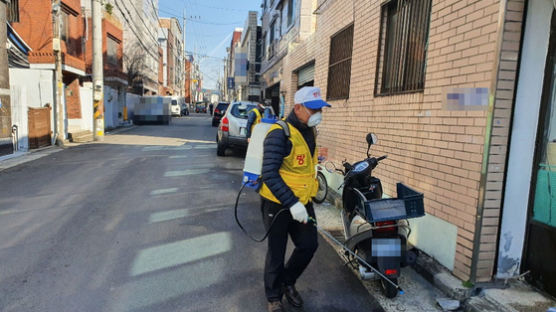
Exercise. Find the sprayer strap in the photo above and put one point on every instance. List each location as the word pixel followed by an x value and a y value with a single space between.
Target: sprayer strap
pixel 285 127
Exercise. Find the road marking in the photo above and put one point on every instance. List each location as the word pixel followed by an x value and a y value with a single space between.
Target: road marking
pixel 182 252
pixel 180 173
pixel 187 156
pixel 168 215
pixel 164 191
pixel 113 223
pixel 167 148
pixel 211 146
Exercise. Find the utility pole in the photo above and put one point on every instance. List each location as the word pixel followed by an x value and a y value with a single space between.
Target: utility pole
pixel 98 77
pixel 5 111
pixel 59 107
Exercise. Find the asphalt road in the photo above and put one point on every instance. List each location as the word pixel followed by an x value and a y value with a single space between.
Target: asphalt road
pixel 144 222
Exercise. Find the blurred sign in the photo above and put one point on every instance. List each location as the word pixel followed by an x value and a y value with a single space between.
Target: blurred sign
pixel 466 98
pixel 231 83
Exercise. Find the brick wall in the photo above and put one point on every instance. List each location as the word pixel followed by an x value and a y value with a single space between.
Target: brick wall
pixel 436 151
pixel 36 15
pixel 73 102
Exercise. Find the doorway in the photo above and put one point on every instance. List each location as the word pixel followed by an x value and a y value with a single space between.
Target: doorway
pixel 539 252
pixel 273 94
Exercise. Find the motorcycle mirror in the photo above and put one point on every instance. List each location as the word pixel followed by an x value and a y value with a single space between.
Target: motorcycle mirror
pixel 372 138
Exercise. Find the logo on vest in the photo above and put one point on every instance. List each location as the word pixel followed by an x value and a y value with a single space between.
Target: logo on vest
pixel 300 159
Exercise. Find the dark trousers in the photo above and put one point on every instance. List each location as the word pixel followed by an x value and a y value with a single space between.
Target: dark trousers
pixel 304 237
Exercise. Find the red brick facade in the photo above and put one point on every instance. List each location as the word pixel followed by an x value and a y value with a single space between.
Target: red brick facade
pixel 160 71
pixel 72 99
pixel 37 15
pixel 187 81
pixel 111 30
pixel 443 153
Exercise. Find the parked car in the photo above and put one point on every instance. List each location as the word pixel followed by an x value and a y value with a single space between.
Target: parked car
pixel 218 113
pixel 232 129
pixel 201 108
pixel 184 110
pixel 176 107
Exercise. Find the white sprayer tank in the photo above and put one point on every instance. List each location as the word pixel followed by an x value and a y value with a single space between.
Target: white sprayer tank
pixel 254 157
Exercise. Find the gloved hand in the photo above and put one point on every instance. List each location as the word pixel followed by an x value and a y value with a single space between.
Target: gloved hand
pixel 299 212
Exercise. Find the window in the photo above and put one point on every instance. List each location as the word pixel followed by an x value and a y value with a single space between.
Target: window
pixel 284 19
pixel 403 43
pixel 64 22
pixel 13 11
pixel 112 46
pixel 339 66
pixel 272 31
pixel 291 7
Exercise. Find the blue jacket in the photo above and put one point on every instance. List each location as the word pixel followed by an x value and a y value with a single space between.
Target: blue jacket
pixel 251 117
pixel 276 147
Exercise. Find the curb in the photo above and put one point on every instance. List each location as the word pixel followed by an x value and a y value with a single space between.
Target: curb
pixel 441 278
pixel 24 157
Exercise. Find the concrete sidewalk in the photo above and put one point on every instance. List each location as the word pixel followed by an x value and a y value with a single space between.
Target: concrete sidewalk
pixel 420 295
pixel 19 158
pixel 427 282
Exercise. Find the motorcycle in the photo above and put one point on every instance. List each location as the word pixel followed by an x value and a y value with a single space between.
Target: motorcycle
pixel 377 229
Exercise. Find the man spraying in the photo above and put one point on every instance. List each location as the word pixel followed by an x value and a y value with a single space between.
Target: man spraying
pixel 289 182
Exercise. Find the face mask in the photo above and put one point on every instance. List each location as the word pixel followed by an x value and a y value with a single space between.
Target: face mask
pixel 315 119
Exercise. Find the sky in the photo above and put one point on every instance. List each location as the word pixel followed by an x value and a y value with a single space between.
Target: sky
pixel 209 28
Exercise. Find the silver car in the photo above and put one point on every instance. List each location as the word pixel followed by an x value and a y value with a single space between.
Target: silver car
pixel 231 131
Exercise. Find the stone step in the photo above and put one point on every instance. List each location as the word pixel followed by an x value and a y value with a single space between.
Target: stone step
pixel 83 139
pixel 81 136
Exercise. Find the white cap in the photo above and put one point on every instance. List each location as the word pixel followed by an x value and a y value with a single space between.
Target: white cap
pixel 310 97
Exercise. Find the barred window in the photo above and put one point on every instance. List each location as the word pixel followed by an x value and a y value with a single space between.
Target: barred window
pixel 13 11
pixel 339 66
pixel 403 41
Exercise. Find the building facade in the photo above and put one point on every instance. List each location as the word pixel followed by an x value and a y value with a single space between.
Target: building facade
pixel 140 24
pixel 171 41
pixel 230 66
pixel 38 15
pixel 285 23
pixel 446 97
pixel 248 61
pixel 115 80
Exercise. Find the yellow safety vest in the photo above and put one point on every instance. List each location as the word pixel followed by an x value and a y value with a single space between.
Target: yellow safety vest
pixel 257 120
pixel 297 170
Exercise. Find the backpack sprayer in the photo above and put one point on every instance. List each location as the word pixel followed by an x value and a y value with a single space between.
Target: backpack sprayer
pixel 252 179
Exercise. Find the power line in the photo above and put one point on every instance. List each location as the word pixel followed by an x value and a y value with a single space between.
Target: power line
pixel 155 38
pixel 147 50
pixel 221 8
pixel 204 55
pixel 198 21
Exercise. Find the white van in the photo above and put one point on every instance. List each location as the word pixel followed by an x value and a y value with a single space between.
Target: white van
pixel 176 106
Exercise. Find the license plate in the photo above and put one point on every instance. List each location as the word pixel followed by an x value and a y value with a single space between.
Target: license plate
pixel 387 247
pixel 242 131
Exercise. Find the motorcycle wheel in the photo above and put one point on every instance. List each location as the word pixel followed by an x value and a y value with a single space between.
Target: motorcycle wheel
pixel 388 289
pixel 323 189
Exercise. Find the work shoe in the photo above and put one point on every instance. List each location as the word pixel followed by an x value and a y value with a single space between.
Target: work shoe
pixel 293 296
pixel 275 306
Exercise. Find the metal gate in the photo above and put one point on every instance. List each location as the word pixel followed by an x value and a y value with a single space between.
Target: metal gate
pixel 39 127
